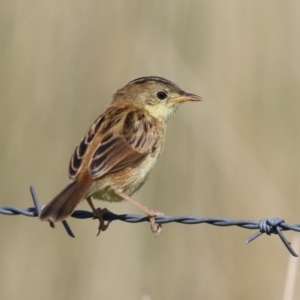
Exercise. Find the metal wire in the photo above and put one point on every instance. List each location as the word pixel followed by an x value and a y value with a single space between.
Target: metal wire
pixel 266 225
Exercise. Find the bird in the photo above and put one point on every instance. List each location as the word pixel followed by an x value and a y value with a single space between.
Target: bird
pixel 119 151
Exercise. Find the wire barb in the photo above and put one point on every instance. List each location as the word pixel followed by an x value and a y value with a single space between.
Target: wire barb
pixel 265 225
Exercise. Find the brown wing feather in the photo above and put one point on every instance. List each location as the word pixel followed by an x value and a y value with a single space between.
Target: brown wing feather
pixel 126 144
pixel 77 157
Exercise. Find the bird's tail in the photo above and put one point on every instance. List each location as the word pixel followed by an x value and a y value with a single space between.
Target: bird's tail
pixel 64 203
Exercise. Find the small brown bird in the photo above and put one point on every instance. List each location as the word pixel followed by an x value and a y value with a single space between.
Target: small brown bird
pixel 120 150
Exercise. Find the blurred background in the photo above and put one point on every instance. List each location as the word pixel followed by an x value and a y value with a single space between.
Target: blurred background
pixel 234 155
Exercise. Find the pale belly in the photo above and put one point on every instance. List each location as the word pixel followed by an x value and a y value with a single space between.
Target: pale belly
pixel 128 181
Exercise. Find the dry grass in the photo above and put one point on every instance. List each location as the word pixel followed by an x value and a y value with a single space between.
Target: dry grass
pixel 236 154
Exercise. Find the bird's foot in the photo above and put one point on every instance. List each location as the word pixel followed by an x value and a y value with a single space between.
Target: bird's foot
pixel 98 214
pixel 155 227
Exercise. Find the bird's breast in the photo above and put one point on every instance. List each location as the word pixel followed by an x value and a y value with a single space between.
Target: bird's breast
pixel 128 180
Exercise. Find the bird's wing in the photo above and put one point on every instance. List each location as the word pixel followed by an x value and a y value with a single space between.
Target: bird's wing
pixel 78 155
pixel 126 143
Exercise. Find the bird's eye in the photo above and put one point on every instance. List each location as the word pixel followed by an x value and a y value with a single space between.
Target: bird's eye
pixel 161 95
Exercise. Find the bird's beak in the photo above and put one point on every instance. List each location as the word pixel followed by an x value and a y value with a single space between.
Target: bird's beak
pixel 186 97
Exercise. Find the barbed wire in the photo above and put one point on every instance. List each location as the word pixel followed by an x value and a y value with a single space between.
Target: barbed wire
pixel 265 225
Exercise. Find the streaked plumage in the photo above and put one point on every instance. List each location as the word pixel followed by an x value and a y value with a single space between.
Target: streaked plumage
pixel 118 153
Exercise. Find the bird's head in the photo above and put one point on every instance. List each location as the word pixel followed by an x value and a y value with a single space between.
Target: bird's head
pixel 156 95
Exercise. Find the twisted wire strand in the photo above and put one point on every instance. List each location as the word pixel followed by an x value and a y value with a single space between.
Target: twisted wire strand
pixel 265 225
